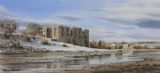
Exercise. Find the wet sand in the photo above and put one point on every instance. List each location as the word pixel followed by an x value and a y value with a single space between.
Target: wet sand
pixel 144 66
pixel 147 65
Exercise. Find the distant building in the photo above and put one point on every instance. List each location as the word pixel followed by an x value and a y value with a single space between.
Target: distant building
pixel 66 34
pixel 113 46
pixel 125 46
pixel 100 44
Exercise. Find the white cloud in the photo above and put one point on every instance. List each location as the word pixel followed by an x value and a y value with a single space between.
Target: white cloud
pixel 5 13
pixel 132 11
pixel 111 22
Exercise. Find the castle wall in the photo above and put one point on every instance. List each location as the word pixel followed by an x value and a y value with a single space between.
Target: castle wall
pixel 70 35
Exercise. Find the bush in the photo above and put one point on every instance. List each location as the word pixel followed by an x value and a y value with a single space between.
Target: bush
pixel 64 45
pixel 108 47
pixel 28 39
pixel 45 43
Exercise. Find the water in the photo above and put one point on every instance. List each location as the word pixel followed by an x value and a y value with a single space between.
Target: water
pixel 20 62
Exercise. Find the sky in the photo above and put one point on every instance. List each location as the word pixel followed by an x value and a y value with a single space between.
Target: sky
pixel 108 20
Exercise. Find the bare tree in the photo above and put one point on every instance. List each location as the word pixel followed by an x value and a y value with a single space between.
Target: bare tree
pixel 8 29
pixel 33 29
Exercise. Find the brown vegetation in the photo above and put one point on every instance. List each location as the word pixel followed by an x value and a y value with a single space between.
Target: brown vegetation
pixel 8 30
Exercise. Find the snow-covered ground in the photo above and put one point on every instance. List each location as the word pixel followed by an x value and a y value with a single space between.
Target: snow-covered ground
pixel 54 46
pixel 58 46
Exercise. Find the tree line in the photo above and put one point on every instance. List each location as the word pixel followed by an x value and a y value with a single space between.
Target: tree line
pixel 8 31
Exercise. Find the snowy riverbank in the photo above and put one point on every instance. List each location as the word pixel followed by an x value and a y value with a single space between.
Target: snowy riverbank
pixel 59 46
pixel 52 46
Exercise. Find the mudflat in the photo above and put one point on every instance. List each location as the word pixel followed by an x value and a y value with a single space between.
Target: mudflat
pixel 148 65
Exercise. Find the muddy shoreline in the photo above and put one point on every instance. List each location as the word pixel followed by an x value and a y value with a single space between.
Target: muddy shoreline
pixel 144 66
pixel 148 64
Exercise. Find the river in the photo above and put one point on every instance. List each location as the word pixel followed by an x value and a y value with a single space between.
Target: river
pixel 30 61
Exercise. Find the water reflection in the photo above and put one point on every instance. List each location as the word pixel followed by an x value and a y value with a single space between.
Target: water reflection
pixel 16 62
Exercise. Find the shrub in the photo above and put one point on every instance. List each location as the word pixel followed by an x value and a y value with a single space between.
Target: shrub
pixel 45 42
pixel 64 45
pixel 28 39
pixel 108 47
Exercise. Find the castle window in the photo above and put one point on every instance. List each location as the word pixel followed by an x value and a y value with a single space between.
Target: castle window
pixel 62 32
pixel 54 31
pixel 67 31
pixel 71 33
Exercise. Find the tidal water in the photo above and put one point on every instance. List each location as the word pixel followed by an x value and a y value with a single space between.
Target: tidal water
pixel 28 61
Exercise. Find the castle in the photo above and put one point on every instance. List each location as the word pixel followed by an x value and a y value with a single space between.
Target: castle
pixel 66 34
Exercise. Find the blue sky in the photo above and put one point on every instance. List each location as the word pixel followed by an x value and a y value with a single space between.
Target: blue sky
pixel 109 20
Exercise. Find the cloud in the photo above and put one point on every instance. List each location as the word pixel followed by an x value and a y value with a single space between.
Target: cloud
pixel 114 20
pixel 148 23
pixel 134 12
pixel 4 13
pixel 69 17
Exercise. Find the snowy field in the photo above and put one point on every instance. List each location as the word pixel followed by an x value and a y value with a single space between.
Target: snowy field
pixel 58 46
